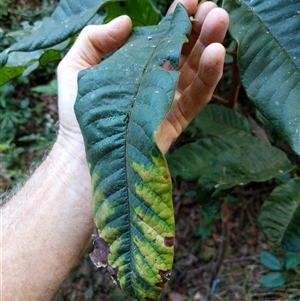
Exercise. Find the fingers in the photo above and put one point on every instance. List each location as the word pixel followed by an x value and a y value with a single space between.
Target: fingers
pixel 95 41
pixel 199 18
pixel 188 104
pixel 200 91
pixel 213 28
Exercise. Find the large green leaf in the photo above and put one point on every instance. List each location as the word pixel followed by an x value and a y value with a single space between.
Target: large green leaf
pixel 225 155
pixel 268 39
pixel 23 63
pixel 280 215
pixel 254 161
pixel 68 18
pixel 189 161
pixel 121 103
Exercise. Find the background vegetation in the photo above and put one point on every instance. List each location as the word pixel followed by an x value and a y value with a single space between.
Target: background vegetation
pixel 221 252
pixel 28 109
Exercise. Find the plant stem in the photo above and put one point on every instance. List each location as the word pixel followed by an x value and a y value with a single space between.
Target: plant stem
pixel 223 248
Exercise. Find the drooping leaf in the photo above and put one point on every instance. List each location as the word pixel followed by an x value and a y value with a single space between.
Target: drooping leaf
pixel 121 103
pixel 270 261
pixel 8 73
pixel 268 39
pixel 225 155
pixel 189 161
pixel 279 216
pixel 68 18
pixel 273 279
pixel 29 61
pixel 50 37
pixel 252 162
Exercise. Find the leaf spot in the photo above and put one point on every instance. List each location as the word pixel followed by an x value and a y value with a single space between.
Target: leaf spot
pixel 169 241
pixel 165 277
pixel 167 176
pixel 100 254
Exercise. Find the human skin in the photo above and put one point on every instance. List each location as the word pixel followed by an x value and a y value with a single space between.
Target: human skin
pixel 47 225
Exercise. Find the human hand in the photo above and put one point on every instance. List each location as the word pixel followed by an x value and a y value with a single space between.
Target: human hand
pixel 201 68
pixel 93 43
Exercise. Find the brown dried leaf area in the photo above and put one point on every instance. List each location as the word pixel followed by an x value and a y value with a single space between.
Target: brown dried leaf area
pixel 223 266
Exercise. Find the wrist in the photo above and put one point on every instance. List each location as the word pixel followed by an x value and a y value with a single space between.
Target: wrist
pixel 68 161
pixel 72 145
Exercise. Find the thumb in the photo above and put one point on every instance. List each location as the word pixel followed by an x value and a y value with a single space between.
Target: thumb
pixel 95 41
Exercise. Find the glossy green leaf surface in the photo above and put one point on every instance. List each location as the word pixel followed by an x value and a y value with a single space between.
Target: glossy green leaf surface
pixel 268 39
pixel 279 216
pixel 121 102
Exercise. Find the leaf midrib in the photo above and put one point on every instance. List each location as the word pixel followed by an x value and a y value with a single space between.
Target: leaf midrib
pixel 127 120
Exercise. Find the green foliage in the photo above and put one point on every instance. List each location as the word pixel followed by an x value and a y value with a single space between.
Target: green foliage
pixel 206 229
pixel 46 41
pixel 25 128
pixel 278 272
pixel 132 202
pixel 223 154
pixel 12 14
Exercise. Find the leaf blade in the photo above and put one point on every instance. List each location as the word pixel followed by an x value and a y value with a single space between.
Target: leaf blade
pixel 270 261
pixel 273 280
pixel 119 107
pixel 279 216
pixel 269 60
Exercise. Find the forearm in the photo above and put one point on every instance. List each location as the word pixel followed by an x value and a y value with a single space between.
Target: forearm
pixel 46 227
